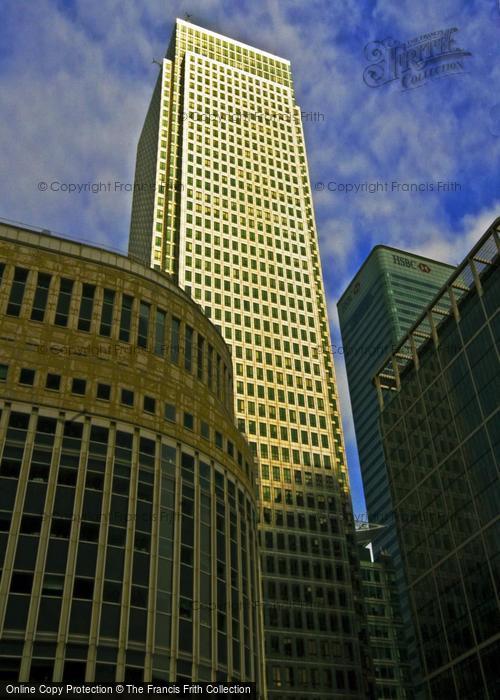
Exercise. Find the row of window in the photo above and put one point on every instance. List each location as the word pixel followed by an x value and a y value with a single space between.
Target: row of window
pixel 292 677
pixel 185 345
pixel 249 389
pixel 301 647
pixel 256 308
pixel 293 520
pixel 284 474
pixel 210 73
pixel 291 618
pixel 218 158
pixel 263 265
pixel 224 273
pixel 281 360
pixel 192 38
pixel 127 397
pixel 278 377
pixel 305 437
pixel 229 55
pixel 209 252
pixel 306 545
pixel 304 568
pixel 217 187
pixel 234 518
pixel 290 497
pixel 83 588
pixel 298 594
pixel 74 669
pixel 289 456
pixel 87 300
pixel 256 165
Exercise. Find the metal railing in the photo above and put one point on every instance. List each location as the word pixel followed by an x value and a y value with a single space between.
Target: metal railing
pixel 446 303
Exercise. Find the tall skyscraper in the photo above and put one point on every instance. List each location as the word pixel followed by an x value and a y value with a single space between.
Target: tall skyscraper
pixel 222 202
pixel 377 308
pixel 127 503
pixel 439 394
pixel 385 297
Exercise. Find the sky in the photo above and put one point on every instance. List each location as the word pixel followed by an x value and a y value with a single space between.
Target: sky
pixel 76 77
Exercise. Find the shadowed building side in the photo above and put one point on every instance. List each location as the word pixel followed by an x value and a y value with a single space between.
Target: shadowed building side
pixel 438 393
pixel 385 297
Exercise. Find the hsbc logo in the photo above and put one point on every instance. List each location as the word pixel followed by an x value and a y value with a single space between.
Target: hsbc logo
pixel 411 264
pixel 423 267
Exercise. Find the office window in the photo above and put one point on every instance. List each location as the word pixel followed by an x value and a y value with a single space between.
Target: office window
pixel 205 430
pixel 3 372
pixel 188 349
pixel 143 327
pixel 53 381
pixel 161 320
pixel 189 421
pixel 78 386
pixel 126 317
pixel 86 307
pixel 41 296
pixel 149 404
pixel 170 412
pixel 103 391
pixel 210 366
pixel 17 291
pixel 63 301
pixel 108 303
pixel 175 330
pixel 127 397
pixel 27 376
pixel 218 378
pixel 200 353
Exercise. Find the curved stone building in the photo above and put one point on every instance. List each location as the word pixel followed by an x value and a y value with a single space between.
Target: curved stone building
pixel 127 512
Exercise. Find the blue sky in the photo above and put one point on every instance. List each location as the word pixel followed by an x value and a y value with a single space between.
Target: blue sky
pixel 76 78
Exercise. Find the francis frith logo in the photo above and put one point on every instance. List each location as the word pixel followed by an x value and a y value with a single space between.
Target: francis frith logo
pixel 414 62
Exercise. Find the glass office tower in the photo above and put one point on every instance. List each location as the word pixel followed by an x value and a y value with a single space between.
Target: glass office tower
pixel 377 308
pixel 439 396
pixel 381 303
pixel 222 201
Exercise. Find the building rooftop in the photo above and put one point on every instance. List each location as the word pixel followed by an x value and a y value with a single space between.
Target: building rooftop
pixel 231 41
pixel 483 256
pixel 381 246
pixel 43 238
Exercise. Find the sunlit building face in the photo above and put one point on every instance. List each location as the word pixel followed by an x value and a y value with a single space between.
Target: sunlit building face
pixel 127 508
pixel 222 202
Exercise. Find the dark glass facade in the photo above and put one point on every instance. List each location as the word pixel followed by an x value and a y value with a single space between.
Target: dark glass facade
pixel 439 394
pixel 380 304
pixel 378 307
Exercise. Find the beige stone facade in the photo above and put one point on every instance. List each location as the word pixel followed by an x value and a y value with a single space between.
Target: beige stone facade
pixel 127 521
